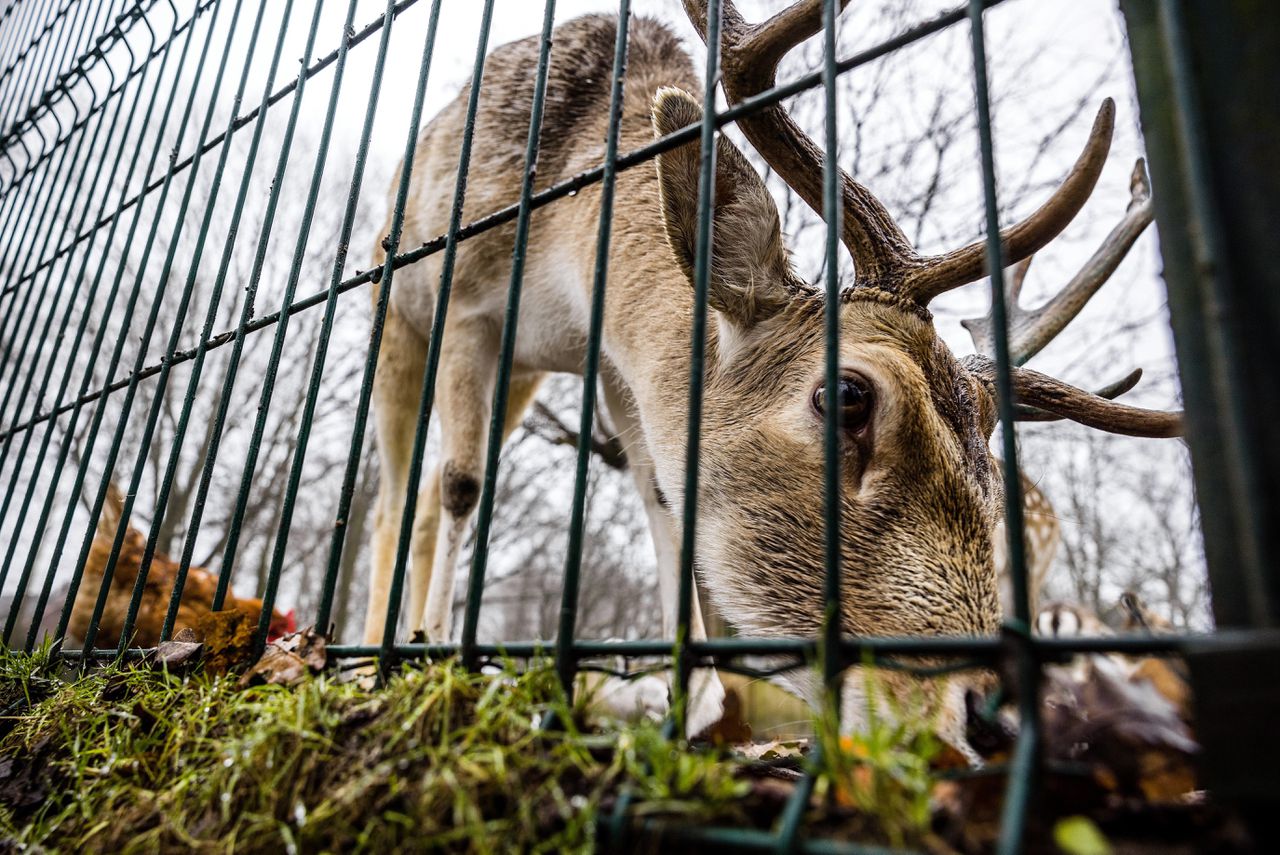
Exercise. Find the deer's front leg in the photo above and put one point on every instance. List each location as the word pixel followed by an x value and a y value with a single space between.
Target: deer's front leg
pixel 706 692
pixel 464 398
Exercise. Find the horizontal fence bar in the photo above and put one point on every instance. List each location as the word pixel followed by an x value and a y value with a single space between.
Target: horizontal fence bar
pixel 991 648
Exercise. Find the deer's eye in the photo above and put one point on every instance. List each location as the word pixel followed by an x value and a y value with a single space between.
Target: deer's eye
pixel 853 399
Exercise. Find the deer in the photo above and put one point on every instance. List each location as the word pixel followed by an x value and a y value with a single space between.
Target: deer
pixel 919 497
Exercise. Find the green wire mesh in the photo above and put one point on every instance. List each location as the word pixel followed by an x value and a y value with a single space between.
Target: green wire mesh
pixel 78 77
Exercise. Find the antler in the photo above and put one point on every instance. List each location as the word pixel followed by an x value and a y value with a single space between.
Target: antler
pixel 1045 394
pixel 883 257
pixel 1031 329
pixel 1041 398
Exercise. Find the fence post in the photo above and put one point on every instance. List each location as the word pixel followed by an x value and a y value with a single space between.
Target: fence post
pixel 1206 72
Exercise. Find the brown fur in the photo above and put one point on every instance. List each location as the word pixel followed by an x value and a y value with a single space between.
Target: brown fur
pixel 197 592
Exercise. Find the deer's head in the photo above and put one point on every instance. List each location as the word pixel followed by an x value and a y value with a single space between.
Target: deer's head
pixel 920 498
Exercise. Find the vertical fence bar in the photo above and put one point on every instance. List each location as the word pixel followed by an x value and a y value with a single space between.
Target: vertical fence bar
pixel 68 307
pixel 179 316
pixel 697 357
pixel 317 370
pixel 1208 116
pixel 789 823
pixel 64 385
pixel 1022 770
pixel 510 324
pixel 831 202
pixel 390 245
pixel 566 656
pixel 206 331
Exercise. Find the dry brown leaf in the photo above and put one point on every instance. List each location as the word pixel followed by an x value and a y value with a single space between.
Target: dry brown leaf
pixel 289 660
pixel 177 654
pixel 732 727
pixel 228 639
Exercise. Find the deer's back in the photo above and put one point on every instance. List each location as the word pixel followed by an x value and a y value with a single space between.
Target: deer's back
pixel 574 127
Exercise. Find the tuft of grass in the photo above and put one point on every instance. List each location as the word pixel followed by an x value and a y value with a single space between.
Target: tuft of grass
pixel 133 760
pixel 885 772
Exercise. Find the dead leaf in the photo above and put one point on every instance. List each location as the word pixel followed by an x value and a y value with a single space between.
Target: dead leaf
pixel 308 645
pixel 773 750
pixel 732 727
pixel 182 651
pixel 228 639
pixel 289 660
pixel 1128 735
pixel 277 667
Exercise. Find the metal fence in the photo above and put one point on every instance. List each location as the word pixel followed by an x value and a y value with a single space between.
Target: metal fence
pixel 78 76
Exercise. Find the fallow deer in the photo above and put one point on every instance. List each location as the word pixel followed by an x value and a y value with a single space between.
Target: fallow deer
pixel 919 498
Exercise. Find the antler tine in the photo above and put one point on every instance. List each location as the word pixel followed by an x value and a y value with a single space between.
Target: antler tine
pixel 940 273
pixel 1030 330
pixel 1111 391
pixel 982 330
pixel 1041 392
pixel 750 54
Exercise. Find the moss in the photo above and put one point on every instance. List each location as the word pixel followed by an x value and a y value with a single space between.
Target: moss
pixel 133 760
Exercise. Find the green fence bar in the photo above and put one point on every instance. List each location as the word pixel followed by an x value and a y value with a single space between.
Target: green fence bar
pixel 566 660
pixel 1018 792
pixel 697 356
pixel 510 325
pixel 64 385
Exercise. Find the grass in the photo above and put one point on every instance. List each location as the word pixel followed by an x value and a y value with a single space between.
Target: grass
pixel 130 759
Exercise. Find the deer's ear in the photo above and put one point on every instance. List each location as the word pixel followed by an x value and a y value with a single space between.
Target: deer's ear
pixel 749 266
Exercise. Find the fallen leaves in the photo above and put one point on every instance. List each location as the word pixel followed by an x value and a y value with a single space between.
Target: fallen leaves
pixel 1124 729
pixel 181 652
pixel 289 660
pixel 228 639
